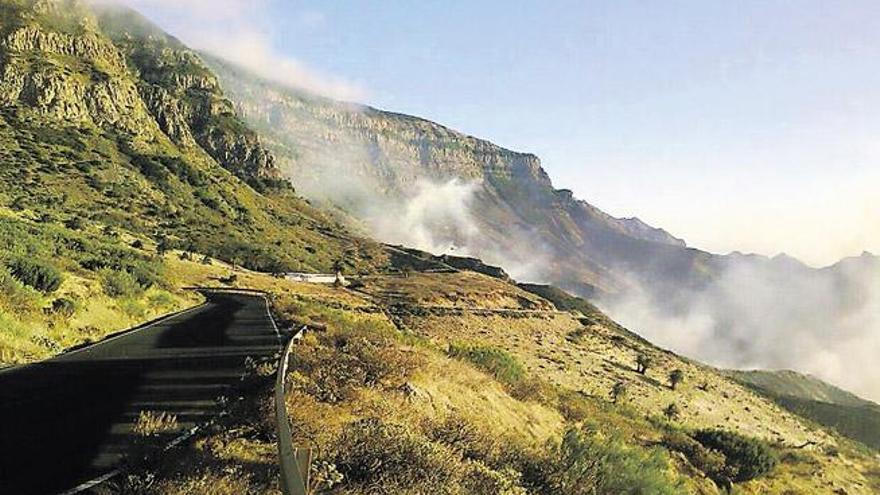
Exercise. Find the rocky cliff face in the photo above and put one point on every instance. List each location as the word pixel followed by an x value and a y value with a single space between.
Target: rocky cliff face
pixel 104 118
pixel 62 62
pixel 356 157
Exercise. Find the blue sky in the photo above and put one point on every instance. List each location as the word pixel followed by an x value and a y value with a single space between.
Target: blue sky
pixel 750 126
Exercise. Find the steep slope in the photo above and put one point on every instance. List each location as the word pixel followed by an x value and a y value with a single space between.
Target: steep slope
pixel 356 157
pixel 453 193
pixel 121 126
pixel 821 402
pixel 462 383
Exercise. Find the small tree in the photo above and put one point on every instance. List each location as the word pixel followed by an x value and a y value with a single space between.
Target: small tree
pixel 672 412
pixel 163 246
pixel 618 391
pixel 643 362
pixel 676 376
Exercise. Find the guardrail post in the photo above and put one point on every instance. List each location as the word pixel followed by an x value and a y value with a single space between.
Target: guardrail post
pixel 295 463
pixel 304 463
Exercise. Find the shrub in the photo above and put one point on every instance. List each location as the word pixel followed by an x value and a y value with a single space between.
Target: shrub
pixel 64 307
pixel 370 450
pixel 497 362
pixel 37 274
pixel 463 437
pixel 74 223
pixel 151 423
pixel 746 458
pixel 16 297
pixel 676 376
pixel 120 283
pixel 672 412
pixel 146 274
pixel 339 362
pixel 711 462
pixel 160 300
pixel 587 462
pixel 618 391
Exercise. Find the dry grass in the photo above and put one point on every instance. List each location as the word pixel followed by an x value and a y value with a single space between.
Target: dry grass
pixel 152 423
pixel 448 427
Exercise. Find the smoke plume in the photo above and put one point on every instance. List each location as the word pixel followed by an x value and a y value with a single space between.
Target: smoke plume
pixel 773 314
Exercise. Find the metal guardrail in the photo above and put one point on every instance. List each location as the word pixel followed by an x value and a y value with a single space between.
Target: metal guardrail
pixel 294 463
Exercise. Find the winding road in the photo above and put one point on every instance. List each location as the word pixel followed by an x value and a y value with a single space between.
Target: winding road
pixel 70 419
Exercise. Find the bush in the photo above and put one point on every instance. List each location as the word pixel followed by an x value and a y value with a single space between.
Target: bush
pixel 16 297
pixel 497 362
pixel 746 458
pixel 370 451
pixel 39 275
pixel 120 283
pixel 672 412
pixel 338 362
pixel 711 462
pixel 643 362
pixel 588 462
pixel 676 376
pixel 64 307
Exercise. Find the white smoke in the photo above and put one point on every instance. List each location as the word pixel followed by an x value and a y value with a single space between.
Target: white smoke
pixel 436 217
pixel 757 315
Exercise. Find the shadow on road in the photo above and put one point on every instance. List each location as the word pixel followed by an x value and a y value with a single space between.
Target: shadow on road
pixel 69 419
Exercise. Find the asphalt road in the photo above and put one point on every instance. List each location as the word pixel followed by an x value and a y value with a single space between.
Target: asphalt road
pixel 70 419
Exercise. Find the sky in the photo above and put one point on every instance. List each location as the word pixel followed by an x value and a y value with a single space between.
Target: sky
pixel 749 125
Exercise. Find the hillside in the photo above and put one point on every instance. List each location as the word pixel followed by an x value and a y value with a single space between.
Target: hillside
pixel 821 402
pixel 462 383
pixel 458 194
pixel 99 127
pixel 117 144
pixel 128 176
pixel 395 161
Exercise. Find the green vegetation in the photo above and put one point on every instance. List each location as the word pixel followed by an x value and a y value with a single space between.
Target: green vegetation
pixel 589 461
pixel 39 275
pixel 562 299
pixel 497 362
pixel 95 284
pixel 676 376
pixel 618 391
pixel 120 283
pixel 724 456
pixel 745 458
pixel 643 362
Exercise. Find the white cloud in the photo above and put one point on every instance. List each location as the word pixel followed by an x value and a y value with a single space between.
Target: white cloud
pixel 237 31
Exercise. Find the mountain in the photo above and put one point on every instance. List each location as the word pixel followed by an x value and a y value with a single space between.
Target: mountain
pixel 127 176
pixel 821 402
pixel 107 121
pixel 798 385
pixel 452 193
pixel 356 157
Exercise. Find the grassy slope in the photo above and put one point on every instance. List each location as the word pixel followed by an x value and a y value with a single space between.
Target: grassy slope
pixel 77 192
pixel 377 373
pixel 64 156
pixel 818 401
pixel 91 159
